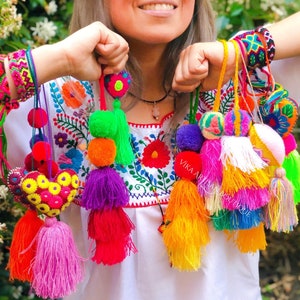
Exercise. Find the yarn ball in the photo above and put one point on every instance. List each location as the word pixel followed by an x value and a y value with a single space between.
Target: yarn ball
pixel 280 112
pixel 117 85
pixel 102 123
pixel 212 125
pixel 37 117
pixel 102 152
pixel 37 138
pixel 290 143
pixel 49 169
pixel 188 165
pixel 247 103
pixel 237 123
pixel 41 151
pixel 189 137
pixel 270 144
pixel 30 163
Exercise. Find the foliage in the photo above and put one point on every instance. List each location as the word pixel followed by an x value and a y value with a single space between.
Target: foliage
pixel 36 22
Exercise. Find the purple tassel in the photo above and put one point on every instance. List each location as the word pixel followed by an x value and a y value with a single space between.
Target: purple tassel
pixel 104 189
pixel 57 267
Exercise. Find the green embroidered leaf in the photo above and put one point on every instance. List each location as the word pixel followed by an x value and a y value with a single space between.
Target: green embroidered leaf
pixel 288 110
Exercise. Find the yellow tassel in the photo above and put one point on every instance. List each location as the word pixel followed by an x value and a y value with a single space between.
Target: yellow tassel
pixel 235 179
pixel 251 240
pixel 186 228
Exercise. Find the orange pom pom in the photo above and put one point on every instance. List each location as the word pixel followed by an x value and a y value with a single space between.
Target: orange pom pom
pixel 102 152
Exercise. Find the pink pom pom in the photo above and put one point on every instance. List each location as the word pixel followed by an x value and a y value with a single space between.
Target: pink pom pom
pixel 290 144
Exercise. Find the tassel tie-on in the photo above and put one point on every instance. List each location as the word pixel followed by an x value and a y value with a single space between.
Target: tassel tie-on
pixel 105 193
pixel 186 219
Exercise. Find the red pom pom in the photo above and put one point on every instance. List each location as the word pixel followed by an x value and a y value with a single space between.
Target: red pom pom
pixel 37 118
pixel 188 165
pixel 41 151
pixel 30 163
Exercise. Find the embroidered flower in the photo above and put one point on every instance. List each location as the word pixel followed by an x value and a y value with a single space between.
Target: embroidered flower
pixel 277 121
pixel 117 84
pixel 72 159
pixel 156 155
pixel 73 93
pixel 61 139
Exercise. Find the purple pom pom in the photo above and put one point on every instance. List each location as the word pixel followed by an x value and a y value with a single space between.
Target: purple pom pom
pixel 37 138
pixel 104 189
pixel 189 137
pixel 237 124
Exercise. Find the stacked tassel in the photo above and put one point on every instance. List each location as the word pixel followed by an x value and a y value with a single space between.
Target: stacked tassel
pixel 105 193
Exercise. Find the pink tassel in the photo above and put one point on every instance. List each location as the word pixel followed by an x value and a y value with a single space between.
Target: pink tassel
pixel 210 178
pixel 104 189
pixel 57 267
pixel 111 230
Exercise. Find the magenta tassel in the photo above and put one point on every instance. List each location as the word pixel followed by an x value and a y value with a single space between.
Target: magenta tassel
pixel 247 198
pixel 104 189
pixel 211 173
pixel 58 267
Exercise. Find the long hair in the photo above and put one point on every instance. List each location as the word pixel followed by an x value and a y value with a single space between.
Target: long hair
pixel 201 29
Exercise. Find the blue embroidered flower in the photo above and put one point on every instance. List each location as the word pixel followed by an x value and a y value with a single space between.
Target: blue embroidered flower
pixel 76 158
pixel 277 121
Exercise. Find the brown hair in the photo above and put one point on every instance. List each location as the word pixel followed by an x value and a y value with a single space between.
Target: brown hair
pixel 201 29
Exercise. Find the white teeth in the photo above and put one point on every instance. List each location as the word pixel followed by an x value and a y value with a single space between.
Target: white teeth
pixel 157 7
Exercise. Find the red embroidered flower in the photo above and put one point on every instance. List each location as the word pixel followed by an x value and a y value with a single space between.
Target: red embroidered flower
pixel 73 94
pixel 156 155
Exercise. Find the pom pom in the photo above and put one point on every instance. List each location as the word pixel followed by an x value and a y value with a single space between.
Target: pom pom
pixel 103 124
pixel 189 137
pixel 49 168
pixel 30 163
pixel 269 142
pixel 37 138
pixel 125 154
pixel 187 165
pixel 111 230
pixel 247 103
pixel 101 152
pixel 291 165
pixel 37 117
pixel 186 230
pixel 41 151
pixel 117 85
pixel 212 125
pixel 290 143
pixel 104 189
pixel 23 247
pixel 58 267
pixel 237 123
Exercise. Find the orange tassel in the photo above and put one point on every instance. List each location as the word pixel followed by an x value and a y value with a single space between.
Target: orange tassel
pixel 251 240
pixel 186 228
pixel 23 246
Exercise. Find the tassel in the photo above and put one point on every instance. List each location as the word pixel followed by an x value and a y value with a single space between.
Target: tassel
pixel 23 247
pixel 111 230
pixel 251 240
pixel 125 154
pixel 281 212
pixel 291 164
pixel 210 179
pixel 245 218
pixel 186 228
pixel 104 189
pixel 57 268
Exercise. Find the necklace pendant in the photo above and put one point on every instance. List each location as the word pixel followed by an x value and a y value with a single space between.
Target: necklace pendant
pixel 155 111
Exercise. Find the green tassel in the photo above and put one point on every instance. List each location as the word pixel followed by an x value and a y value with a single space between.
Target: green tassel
pixel 125 154
pixel 291 164
pixel 221 220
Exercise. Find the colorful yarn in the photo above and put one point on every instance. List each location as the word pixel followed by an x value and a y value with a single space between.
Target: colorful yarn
pixel 212 125
pixel 103 124
pixel 237 123
pixel 188 165
pixel 189 137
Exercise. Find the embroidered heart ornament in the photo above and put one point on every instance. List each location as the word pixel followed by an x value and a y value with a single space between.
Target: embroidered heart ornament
pixel 50 196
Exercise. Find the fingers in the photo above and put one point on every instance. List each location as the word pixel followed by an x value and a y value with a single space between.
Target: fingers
pixel 191 69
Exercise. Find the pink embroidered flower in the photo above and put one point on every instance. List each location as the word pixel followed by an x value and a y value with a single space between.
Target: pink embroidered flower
pixel 156 155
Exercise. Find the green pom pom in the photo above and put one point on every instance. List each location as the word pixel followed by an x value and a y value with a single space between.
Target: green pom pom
pixel 291 164
pixel 125 154
pixel 102 123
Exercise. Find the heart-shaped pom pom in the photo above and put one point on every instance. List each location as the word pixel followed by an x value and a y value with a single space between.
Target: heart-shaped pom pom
pixel 37 118
pixel 188 165
pixel 117 85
